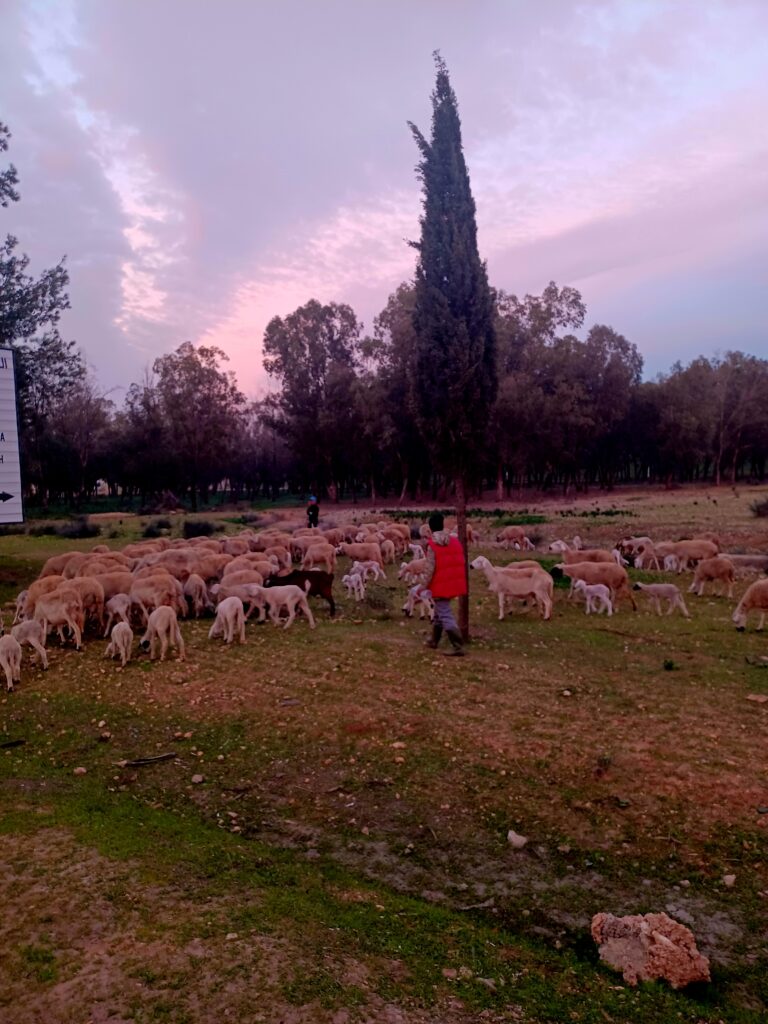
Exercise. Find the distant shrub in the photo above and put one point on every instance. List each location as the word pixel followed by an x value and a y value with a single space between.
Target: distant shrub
pixel 521 519
pixel 156 527
pixel 760 508
pixel 608 513
pixel 9 529
pixel 78 529
pixel 43 530
pixel 199 528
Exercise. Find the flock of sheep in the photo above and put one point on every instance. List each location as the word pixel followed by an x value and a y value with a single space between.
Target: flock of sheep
pixel 152 583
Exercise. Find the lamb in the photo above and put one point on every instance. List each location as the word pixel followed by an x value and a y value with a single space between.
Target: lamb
pixel 355 585
pixel 388 552
pixel 21 602
pixel 619 558
pixel 414 570
pixel 287 598
pixel 671 563
pixel 558 546
pixel 710 570
pixel 163 625
pixel 754 599
pixel 419 597
pixel 118 607
pixel 316 583
pixel 31 633
pixel 417 551
pixel 10 660
pixel 370 568
pixel 613 576
pixel 519 584
pixel 659 592
pixel 120 643
pixel 596 595
pixel 647 557
pixel 230 619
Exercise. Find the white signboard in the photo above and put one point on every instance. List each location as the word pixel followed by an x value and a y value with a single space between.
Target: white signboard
pixel 10 463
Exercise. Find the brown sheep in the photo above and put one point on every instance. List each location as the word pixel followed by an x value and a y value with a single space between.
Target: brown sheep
pixel 611 575
pixel 713 569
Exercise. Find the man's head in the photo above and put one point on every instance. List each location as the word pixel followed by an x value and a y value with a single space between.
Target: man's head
pixel 436 522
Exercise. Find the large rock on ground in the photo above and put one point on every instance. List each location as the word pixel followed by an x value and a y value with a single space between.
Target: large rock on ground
pixel 650 946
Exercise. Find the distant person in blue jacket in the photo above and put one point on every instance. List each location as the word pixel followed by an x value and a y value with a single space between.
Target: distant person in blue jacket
pixel 313 511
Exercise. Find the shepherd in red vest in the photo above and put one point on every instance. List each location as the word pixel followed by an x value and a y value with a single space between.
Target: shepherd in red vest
pixel 447 578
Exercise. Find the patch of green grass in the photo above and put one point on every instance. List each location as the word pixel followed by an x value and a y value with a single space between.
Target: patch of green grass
pixel 39 963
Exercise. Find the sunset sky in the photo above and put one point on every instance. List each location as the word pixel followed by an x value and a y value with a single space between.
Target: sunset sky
pixel 208 165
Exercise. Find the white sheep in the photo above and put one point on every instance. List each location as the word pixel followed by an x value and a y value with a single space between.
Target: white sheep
pixel 618 558
pixel 355 585
pixel 119 607
pixel 558 546
pixel 521 583
pixel 596 595
pixel 120 643
pixel 369 568
pixel 659 592
pixel 417 551
pixel 10 660
pixel 419 597
pixel 21 601
pixel 230 619
pixel 755 599
pixel 31 633
pixel 671 563
pixel 163 625
pixel 288 598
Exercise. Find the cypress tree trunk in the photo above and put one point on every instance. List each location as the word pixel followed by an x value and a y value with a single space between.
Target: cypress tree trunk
pixel 461 522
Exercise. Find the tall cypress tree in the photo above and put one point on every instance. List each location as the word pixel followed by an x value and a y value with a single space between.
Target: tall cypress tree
pixel 454 379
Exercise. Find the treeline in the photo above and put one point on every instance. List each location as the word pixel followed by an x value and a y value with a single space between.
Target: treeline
pixel 570 413
pixel 571 410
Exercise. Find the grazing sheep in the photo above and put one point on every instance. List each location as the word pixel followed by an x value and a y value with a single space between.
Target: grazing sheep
pixel 196 594
pixel 251 594
pixel 320 554
pixel 558 546
pixel 316 583
pixel 31 633
pixel 289 599
pixel 230 619
pixel 668 592
pixel 370 552
pixel 417 551
pixel 755 599
pixel 519 583
pixel 163 625
pixel 415 570
pixel 690 552
pixel 10 660
pixel 62 607
pixel 596 595
pixel 588 555
pixel 515 536
pixel 120 643
pixel 713 569
pixel 671 563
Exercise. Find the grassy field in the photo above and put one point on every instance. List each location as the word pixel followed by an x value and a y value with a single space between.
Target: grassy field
pixel 345 856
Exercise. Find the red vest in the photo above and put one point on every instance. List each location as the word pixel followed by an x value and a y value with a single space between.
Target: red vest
pixel 450 579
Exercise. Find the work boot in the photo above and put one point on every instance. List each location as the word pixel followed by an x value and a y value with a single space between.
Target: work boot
pixel 457 645
pixel 434 640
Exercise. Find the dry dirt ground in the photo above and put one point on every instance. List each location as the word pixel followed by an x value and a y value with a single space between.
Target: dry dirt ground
pixel 350 828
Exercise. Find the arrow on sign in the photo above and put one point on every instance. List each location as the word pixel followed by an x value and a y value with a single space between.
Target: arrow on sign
pixel 4 496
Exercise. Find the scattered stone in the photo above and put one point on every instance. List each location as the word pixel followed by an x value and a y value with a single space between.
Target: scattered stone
pixel 758 698
pixel 685 883
pixel 650 946
pixel 515 840
pixel 80 771
pixel 231 936
pixel 729 881
pixel 567 693
pixel 450 973
pixel 197 779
